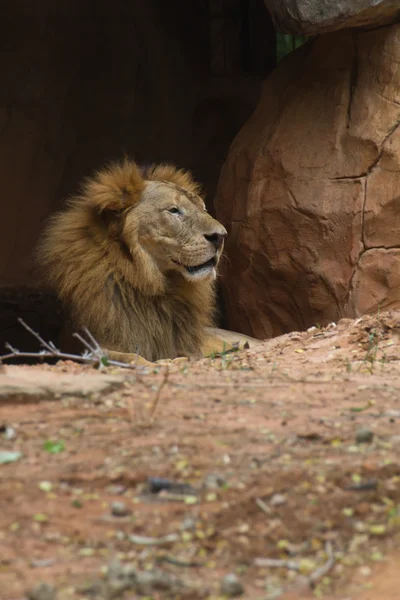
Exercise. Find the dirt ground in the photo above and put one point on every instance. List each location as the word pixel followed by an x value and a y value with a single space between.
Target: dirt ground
pixel 289 453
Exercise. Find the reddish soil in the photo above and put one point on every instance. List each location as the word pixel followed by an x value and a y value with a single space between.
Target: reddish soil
pixel 267 440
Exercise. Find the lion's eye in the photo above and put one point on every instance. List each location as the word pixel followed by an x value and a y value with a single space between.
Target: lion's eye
pixel 175 210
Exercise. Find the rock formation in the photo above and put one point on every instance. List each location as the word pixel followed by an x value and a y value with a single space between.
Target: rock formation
pixel 310 189
pixel 312 17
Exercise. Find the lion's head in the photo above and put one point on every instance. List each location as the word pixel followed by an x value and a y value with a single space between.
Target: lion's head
pixel 172 225
pixel 163 218
pixel 134 259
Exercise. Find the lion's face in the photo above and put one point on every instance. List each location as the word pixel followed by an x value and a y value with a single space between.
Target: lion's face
pixel 173 227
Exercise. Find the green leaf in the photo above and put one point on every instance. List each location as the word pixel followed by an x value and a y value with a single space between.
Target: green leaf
pixel 45 486
pixel 377 529
pixel 54 447
pixel 40 518
pixel 190 500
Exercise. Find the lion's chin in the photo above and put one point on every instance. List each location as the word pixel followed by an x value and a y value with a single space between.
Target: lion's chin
pixel 205 270
pixel 210 273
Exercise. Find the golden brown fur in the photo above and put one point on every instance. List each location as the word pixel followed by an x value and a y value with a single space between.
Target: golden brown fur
pixel 133 258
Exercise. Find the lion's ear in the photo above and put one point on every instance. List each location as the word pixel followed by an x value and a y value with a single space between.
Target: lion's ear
pixel 114 188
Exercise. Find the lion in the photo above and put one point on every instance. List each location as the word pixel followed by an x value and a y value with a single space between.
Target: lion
pixel 134 259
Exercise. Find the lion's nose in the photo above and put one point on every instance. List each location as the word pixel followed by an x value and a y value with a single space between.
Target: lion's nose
pixel 216 239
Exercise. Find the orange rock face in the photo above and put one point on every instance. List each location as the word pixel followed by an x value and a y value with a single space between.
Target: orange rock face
pixel 310 189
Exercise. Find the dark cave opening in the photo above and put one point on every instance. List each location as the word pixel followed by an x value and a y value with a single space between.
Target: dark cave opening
pixel 85 82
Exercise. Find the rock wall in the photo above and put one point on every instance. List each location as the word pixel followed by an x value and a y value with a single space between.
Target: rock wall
pixel 311 17
pixel 310 189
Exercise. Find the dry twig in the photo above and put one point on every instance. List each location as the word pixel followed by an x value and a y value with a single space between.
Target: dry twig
pixel 177 562
pixel 251 386
pixel 144 540
pixel 158 394
pixel 325 568
pixel 132 410
pixel 291 565
pixel 276 563
pixel 93 354
pixel 263 506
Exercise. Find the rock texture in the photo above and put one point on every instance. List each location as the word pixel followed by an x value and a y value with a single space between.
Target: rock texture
pixel 310 191
pixel 24 384
pixel 312 17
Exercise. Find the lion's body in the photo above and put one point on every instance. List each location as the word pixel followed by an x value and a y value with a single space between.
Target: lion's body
pixel 103 255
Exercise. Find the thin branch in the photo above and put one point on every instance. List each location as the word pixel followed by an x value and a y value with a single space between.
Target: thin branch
pixel 132 409
pixel 36 335
pixel 291 565
pixel 84 343
pixel 95 350
pixel 95 343
pixel 158 394
pixel 9 347
pixel 89 360
pixel 322 571
pixel 143 540
pixel 237 385
pixel 276 563
pixel 263 506
pixel 94 356
pixel 178 563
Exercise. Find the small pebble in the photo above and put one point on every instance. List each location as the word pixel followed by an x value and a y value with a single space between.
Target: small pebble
pixel 116 490
pixel 188 523
pixel 277 500
pixel 119 509
pixel 214 481
pixel 364 436
pixel 231 586
pixel 394 414
pixel 9 433
pixel 160 484
pixel 43 562
pixel 43 591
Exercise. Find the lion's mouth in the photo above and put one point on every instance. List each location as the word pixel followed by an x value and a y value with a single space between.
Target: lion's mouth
pixel 202 269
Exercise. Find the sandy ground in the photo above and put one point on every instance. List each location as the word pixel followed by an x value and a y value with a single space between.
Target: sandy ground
pixel 289 452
